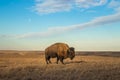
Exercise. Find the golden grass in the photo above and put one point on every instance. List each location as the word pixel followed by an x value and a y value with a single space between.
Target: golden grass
pixel 34 67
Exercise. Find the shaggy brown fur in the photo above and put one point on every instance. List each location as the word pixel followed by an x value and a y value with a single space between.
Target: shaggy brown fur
pixel 60 51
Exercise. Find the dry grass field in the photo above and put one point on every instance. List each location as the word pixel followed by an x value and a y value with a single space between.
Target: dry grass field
pixel 27 65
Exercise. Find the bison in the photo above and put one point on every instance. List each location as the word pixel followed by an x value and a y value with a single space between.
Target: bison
pixel 60 51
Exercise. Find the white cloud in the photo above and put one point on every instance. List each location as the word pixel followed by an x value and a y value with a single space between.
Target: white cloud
pixel 49 32
pixel 59 30
pixel 115 4
pixel 52 6
pixel 90 3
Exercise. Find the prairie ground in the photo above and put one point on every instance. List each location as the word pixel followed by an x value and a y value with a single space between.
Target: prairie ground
pixel 32 66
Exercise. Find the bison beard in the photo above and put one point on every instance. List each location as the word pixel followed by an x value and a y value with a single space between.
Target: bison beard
pixel 60 51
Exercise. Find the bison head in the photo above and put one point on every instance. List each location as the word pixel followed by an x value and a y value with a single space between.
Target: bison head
pixel 71 53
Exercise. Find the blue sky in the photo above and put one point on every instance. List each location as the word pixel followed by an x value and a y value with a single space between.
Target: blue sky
pixel 87 25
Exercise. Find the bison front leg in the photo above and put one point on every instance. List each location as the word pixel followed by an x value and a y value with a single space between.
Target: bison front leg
pixel 47 59
pixel 61 60
pixel 57 60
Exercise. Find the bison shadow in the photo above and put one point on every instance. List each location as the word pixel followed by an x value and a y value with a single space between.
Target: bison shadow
pixel 75 62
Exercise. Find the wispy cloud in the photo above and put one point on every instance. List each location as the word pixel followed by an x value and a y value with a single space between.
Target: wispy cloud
pixel 59 30
pixel 114 3
pixel 52 6
pixel 7 36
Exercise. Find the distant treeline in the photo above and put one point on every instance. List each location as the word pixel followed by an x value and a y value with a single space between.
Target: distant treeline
pixel 96 53
pixel 99 53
